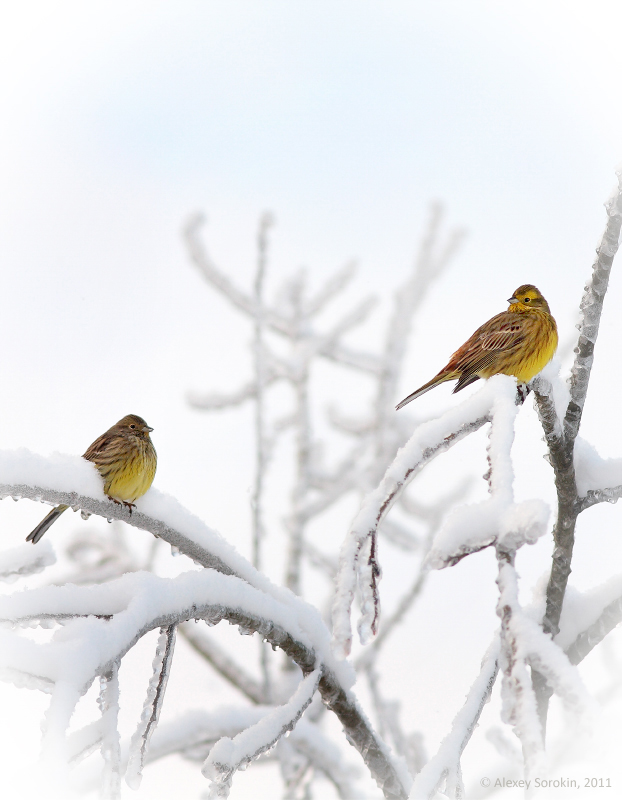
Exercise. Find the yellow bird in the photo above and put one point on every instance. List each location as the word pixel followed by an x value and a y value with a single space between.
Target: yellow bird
pixel 520 341
pixel 126 460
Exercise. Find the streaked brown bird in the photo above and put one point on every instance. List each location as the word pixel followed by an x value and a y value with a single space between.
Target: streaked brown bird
pixel 126 460
pixel 520 341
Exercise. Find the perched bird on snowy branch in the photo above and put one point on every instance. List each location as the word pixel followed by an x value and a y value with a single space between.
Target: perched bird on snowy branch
pixel 126 460
pixel 520 341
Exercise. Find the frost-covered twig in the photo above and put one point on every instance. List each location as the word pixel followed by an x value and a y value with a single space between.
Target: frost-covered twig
pixel 519 701
pixel 152 706
pixel 229 755
pixel 445 765
pixel 430 263
pixel 219 280
pixel 260 378
pixel 393 620
pixel 524 643
pixel 274 320
pixel 331 289
pixel 193 734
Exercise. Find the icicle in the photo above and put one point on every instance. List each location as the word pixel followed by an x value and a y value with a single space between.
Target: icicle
pixel 151 707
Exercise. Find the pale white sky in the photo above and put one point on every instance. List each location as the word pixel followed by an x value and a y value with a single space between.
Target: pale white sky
pixel 345 119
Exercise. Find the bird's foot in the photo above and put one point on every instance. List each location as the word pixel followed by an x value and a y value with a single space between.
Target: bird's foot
pixel 131 506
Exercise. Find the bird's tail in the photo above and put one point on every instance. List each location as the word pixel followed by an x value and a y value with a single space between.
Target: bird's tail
pixel 436 381
pixel 45 523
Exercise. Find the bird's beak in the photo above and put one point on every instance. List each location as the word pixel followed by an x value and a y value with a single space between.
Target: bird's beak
pixel 512 300
pixel 147 429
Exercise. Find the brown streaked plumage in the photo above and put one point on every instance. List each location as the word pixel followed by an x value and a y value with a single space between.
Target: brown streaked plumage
pixel 520 341
pixel 126 460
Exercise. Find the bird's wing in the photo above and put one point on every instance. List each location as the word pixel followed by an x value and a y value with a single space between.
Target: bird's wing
pixel 504 332
pixel 104 449
pixel 509 335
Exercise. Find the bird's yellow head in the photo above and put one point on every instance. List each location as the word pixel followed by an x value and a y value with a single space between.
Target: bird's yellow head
pixel 135 425
pixel 528 298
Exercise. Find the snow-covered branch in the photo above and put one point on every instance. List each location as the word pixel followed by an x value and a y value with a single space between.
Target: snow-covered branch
pixel 591 309
pixel 25 560
pixel 160 603
pixel 228 755
pixel 561 438
pixel 194 733
pixel 152 706
pixel 471 530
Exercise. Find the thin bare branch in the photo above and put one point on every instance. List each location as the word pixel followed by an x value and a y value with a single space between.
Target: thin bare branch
pixel 222 662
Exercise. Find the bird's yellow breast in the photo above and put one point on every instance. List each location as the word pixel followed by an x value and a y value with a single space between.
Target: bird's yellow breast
pixel 538 348
pixel 132 478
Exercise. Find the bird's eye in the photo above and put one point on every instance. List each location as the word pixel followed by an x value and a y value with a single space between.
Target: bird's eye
pixel 132 425
pixel 526 300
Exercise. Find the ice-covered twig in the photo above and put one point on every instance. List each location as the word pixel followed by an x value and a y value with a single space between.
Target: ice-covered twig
pixel 445 765
pixel 595 496
pixel 229 755
pixel 561 439
pixel 588 618
pixel 591 309
pixel 152 706
pixel 110 747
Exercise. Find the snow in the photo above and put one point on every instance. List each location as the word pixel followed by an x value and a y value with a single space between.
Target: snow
pixel 73 480
pixel 59 471
pixel 86 647
pixel 582 609
pixel 592 471
pixel 25 560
